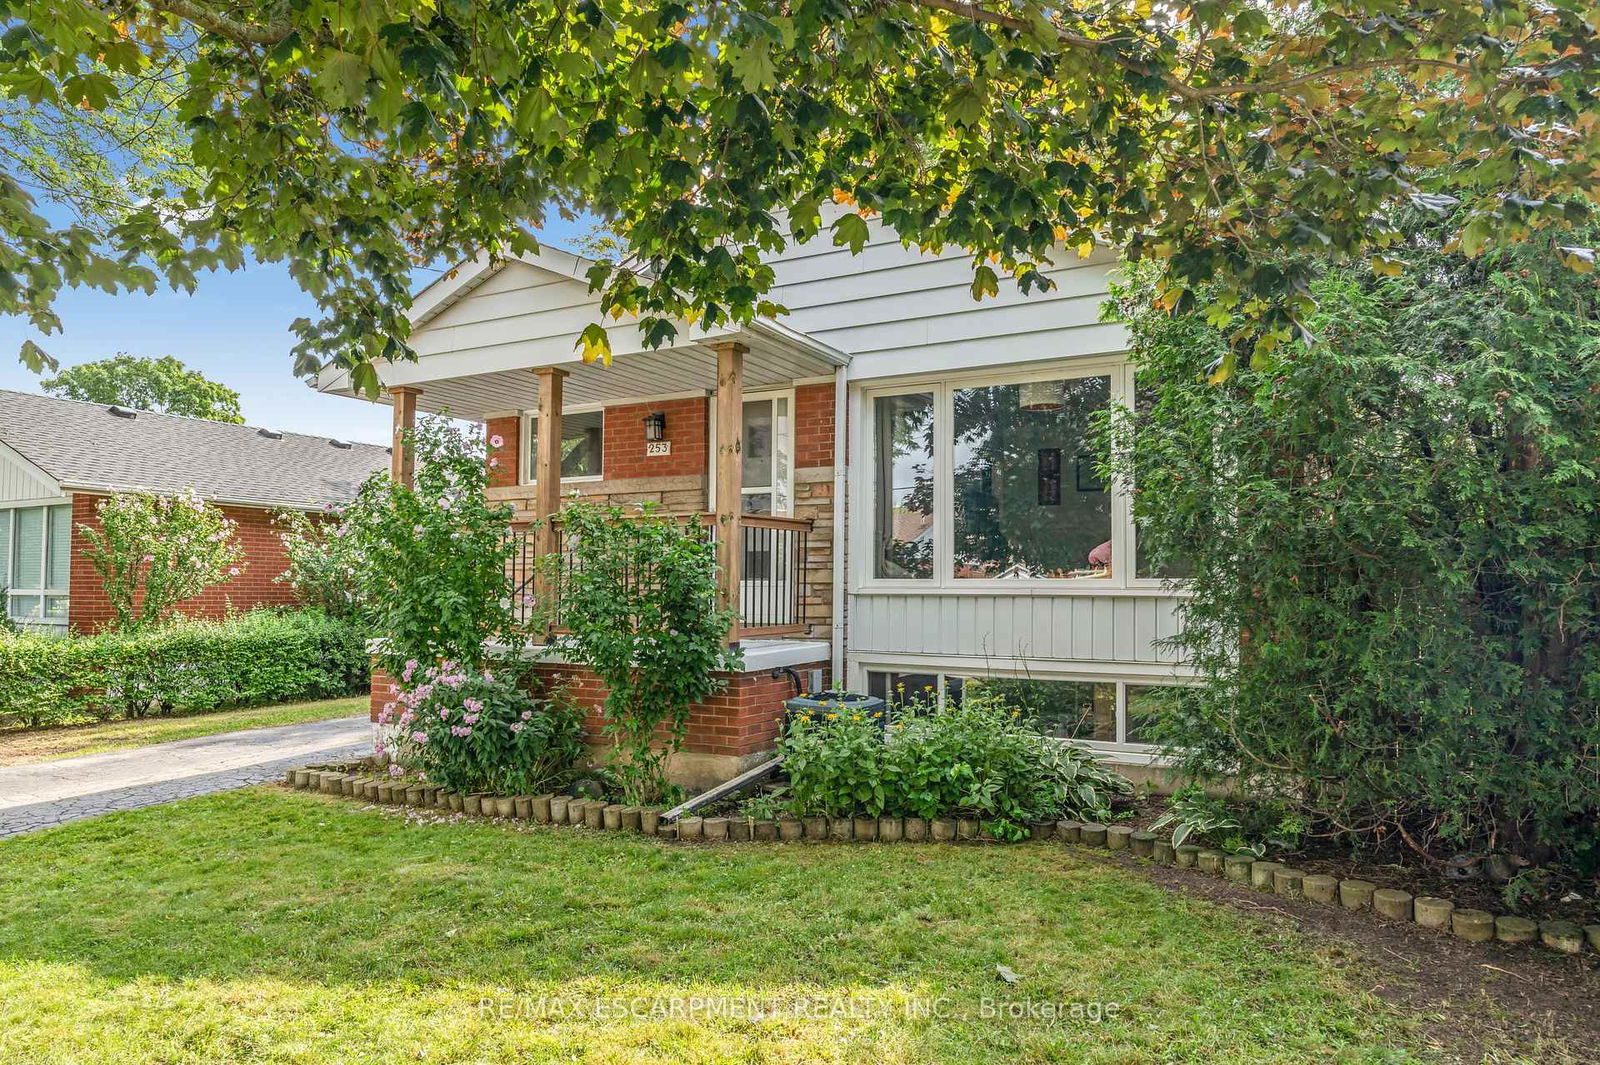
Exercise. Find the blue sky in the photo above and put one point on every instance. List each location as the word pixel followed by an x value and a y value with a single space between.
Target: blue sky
pixel 234 329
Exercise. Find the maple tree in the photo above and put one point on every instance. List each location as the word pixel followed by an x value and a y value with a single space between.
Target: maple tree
pixel 355 139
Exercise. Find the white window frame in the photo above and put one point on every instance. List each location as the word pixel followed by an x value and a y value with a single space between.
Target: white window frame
pixel 944 582
pixel 1133 753
pixel 9 513
pixel 767 395
pixel 528 445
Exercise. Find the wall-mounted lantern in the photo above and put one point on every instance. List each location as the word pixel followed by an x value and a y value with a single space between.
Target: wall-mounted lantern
pixel 655 426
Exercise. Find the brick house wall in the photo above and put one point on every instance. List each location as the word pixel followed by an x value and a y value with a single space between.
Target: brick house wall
pixel 677 482
pixel 813 495
pixel 263 559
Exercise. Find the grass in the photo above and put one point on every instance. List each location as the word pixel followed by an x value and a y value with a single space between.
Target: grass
pixel 272 926
pixel 39 745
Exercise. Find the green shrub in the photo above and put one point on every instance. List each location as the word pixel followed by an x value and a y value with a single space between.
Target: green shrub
pixel 431 559
pixel 638 598
pixel 979 757
pixel 1391 546
pixel 479 731
pixel 187 666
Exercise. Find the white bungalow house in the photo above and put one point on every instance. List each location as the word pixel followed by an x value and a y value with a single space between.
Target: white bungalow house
pixel 975 545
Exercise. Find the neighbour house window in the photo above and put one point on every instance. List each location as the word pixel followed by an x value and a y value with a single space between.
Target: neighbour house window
pixel 582 445
pixel 1096 712
pixel 35 560
pixel 1028 499
pixel 904 526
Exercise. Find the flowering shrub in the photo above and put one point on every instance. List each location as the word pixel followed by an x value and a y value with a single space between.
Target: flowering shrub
pixel 153 552
pixel 475 730
pixel 324 560
pixel 980 756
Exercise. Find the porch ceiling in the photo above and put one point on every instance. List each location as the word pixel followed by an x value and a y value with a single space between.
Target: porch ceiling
pixel 690 368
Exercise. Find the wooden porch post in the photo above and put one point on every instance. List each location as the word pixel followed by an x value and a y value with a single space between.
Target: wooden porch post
pixel 547 460
pixel 402 457
pixel 730 476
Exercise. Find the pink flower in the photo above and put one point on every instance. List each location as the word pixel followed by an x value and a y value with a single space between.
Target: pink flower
pixel 496 440
pixel 488 676
pixel 444 715
pixel 395 771
pixel 476 706
pixel 419 737
pixel 233 571
pixel 378 748
pixel 494 463
pixel 527 715
pixel 517 726
pixel 470 719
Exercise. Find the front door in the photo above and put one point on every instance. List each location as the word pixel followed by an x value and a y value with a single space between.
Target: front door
pixel 769 554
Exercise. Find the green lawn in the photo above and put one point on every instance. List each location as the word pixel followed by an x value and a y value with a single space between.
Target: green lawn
pixel 39 745
pixel 269 926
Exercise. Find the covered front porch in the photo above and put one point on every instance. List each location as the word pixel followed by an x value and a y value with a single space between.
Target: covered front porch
pixel 731 428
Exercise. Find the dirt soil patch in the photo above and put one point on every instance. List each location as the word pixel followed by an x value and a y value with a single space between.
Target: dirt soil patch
pixel 1476 891
pixel 1474 1002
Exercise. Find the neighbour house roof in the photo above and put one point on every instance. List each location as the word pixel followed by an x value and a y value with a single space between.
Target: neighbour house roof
pixel 91 447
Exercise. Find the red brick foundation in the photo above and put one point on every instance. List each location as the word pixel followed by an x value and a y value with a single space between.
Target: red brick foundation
pixel 726 733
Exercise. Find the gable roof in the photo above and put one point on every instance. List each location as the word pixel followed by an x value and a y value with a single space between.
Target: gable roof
pixel 85 447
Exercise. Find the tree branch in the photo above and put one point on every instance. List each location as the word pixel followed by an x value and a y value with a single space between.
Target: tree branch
pixel 971 10
pixel 223 25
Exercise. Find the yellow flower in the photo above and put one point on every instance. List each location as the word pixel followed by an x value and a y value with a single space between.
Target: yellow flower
pixel 832 717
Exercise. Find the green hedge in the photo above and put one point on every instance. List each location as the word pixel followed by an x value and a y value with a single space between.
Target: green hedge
pixel 185 667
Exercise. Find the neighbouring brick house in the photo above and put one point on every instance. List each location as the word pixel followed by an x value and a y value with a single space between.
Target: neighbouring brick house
pixel 910 502
pixel 60 457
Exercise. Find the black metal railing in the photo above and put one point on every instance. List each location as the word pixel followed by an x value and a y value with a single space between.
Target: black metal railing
pixel 772 582
pixel 772 585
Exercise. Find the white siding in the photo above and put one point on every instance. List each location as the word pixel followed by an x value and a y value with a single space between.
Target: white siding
pixel 19 480
pixel 898 310
pixel 1006 630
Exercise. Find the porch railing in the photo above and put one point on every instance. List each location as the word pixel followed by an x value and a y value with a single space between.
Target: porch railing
pixel 772 586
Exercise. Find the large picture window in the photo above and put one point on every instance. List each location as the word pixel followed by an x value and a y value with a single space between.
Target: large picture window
pixel 992 480
pixel 1029 501
pixel 902 429
pixel 35 560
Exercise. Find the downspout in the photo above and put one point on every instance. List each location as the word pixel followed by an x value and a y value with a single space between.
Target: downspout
pixel 841 417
